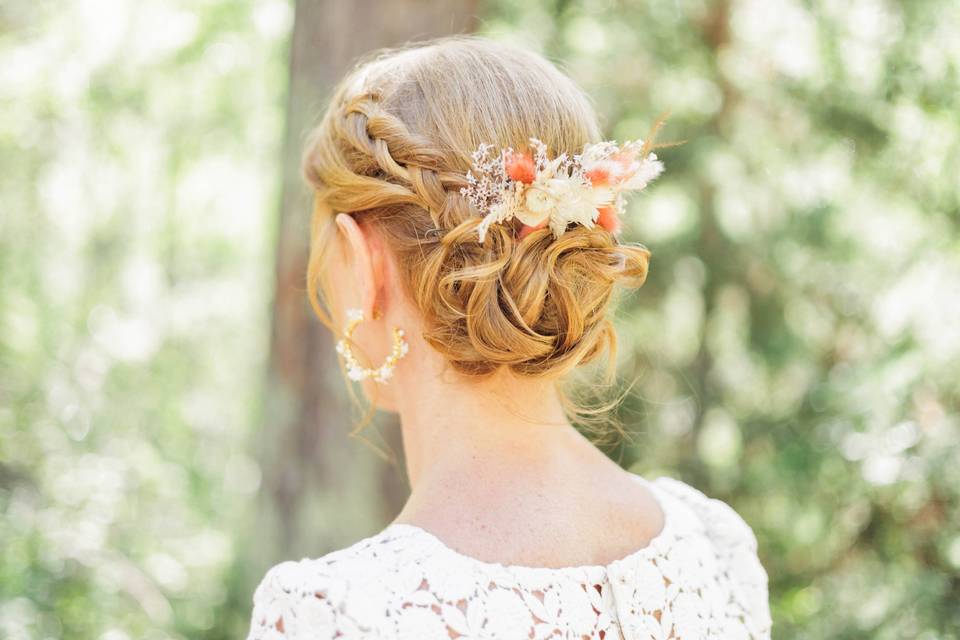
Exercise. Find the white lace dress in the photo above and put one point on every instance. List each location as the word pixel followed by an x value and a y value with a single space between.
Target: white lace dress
pixel 700 577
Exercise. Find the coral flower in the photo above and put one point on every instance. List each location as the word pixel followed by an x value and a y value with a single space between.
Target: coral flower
pixel 526 229
pixel 599 175
pixel 520 167
pixel 608 219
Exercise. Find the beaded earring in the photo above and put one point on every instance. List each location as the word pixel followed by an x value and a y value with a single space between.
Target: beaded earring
pixel 357 372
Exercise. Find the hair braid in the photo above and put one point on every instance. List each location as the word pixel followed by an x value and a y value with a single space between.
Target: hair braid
pixel 404 157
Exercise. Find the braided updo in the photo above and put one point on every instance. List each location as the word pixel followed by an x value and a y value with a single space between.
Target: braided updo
pixel 395 143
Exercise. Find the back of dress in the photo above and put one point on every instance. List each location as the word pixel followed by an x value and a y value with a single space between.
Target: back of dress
pixel 700 577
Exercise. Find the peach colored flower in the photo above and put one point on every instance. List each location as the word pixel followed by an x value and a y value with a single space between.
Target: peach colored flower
pixel 520 167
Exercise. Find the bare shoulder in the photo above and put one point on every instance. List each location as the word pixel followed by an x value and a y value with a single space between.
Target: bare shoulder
pixel 586 516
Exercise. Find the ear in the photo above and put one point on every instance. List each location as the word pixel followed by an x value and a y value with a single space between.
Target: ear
pixel 362 253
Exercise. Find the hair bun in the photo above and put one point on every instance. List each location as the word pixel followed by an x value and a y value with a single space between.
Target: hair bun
pixel 538 306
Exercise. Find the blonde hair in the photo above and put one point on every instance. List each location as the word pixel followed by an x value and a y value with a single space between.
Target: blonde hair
pixel 394 146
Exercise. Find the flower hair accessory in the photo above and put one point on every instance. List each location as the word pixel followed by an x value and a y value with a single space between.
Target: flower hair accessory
pixel 585 189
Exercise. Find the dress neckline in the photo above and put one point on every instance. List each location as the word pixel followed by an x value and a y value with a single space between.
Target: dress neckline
pixel 594 570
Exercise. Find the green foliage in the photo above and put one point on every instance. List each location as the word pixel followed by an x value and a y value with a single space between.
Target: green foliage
pixel 139 151
pixel 795 347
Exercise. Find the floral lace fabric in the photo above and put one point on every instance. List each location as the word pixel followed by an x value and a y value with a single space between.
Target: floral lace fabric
pixel 699 578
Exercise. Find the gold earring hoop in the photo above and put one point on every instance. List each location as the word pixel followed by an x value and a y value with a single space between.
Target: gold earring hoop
pixel 357 372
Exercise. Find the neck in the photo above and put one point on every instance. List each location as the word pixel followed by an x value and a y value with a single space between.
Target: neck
pixel 452 424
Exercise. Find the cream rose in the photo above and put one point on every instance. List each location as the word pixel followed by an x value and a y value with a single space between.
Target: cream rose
pixel 537 206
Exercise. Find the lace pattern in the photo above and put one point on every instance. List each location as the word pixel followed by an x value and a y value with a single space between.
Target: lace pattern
pixel 699 578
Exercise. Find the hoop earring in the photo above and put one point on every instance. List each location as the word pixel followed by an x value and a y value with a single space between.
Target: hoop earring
pixel 357 372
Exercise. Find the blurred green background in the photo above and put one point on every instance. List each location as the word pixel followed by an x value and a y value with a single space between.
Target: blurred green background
pixel 172 422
